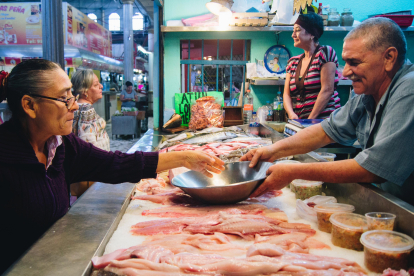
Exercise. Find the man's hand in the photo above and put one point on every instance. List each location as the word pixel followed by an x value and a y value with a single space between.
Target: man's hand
pixel 277 178
pixel 203 162
pixel 260 154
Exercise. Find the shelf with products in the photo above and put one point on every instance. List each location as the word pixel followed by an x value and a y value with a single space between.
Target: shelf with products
pixel 264 81
pixel 171 29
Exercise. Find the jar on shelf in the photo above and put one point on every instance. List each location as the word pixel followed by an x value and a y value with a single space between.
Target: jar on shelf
pixel 347 19
pixel 333 17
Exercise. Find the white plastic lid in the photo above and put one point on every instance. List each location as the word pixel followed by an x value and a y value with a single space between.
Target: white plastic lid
pixel 386 240
pixel 306 183
pixel 334 208
pixel 287 162
pixel 349 221
pixel 327 154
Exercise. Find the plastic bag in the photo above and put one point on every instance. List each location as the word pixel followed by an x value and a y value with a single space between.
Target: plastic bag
pixel 307 212
pixel 206 112
pixel 284 10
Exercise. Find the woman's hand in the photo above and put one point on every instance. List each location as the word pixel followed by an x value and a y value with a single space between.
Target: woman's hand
pixel 293 116
pixel 260 154
pixel 202 162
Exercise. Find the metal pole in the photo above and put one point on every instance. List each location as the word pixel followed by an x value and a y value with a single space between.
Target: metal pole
pixel 217 66
pixel 128 41
pixel 103 18
pixel 156 77
pixel 52 31
pixel 202 66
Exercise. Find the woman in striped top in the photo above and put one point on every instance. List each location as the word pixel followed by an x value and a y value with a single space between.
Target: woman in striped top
pixel 312 77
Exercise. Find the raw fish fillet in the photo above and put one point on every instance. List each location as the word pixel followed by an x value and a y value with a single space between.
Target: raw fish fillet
pixel 266 196
pixel 294 242
pixel 245 226
pixel 147 185
pixel 169 197
pixel 199 243
pixel 307 261
pixel 184 211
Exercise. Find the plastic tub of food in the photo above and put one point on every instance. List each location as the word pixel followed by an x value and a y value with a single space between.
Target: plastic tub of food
pixel 328 156
pixel 347 229
pixel 324 212
pixel 380 221
pixel 288 162
pixel 304 189
pixel 386 249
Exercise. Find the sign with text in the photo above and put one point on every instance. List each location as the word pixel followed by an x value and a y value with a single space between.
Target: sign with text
pixel 20 23
pixel 184 101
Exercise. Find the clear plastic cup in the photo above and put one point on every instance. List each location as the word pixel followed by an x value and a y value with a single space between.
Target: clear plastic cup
pixel 386 249
pixel 304 189
pixel 324 212
pixel 380 221
pixel 347 229
pixel 328 156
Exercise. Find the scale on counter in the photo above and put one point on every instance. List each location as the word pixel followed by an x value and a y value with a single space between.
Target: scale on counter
pixel 296 125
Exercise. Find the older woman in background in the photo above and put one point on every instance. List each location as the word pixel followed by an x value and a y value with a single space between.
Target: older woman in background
pixel 87 124
pixel 40 156
pixel 311 78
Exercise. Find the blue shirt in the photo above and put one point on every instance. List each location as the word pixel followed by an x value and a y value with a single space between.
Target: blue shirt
pixel 385 133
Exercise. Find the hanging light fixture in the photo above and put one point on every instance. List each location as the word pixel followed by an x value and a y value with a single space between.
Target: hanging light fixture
pixel 219 6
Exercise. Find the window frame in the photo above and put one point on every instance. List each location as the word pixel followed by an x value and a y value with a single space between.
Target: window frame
pixel 216 62
pixel 112 20
pixel 135 18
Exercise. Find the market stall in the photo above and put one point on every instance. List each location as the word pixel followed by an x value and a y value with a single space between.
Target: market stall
pixel 88 228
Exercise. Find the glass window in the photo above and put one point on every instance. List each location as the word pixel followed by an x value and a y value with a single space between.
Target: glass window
pixel 137 22
pixel 214 65
pixel 114 22
pixel 93 17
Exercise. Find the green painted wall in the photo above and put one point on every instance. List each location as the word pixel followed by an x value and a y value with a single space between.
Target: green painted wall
pixel 260 42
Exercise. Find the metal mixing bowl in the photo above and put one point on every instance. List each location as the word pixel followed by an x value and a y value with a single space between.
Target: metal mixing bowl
pixel 236 183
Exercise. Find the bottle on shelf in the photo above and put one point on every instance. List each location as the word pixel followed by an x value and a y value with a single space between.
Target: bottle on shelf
pixel 269 116
pixel 278 110
pixel 254 124
pixel 320 9
pixel 247 107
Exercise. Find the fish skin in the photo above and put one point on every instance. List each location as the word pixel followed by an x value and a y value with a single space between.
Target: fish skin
pixel 210 138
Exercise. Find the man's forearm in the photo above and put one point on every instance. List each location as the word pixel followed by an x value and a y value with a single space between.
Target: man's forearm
pixel 304 141
pixel 346 171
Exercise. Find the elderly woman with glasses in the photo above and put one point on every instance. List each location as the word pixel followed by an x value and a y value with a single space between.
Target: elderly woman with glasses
pixel 40 156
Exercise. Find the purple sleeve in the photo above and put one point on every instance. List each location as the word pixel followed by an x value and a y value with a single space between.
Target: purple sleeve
pixel 85 162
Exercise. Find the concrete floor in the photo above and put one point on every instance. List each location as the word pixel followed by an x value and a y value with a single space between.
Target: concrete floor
pixel 125 143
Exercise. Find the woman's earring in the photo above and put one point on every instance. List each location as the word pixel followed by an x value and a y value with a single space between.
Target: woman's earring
pixel 86 95
pixel 311 38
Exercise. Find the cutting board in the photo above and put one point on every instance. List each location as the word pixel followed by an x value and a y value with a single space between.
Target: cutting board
pixel 175 130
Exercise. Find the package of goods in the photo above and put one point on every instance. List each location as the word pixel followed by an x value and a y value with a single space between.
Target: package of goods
pixel 206 112
pixel 305 209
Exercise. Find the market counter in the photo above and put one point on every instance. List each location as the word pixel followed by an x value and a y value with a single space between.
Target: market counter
pixel 68 246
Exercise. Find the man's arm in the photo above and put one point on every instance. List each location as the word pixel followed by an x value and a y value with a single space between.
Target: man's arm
pixel 304 141
pixel 346 171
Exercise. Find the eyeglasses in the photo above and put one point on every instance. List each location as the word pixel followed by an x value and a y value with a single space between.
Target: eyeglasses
pixel 69 102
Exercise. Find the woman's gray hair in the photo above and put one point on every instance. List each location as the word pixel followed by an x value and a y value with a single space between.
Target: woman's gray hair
pixel 82 80
pixel 380 33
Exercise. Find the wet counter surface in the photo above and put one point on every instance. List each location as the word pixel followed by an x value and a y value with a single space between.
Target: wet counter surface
pixel 68 246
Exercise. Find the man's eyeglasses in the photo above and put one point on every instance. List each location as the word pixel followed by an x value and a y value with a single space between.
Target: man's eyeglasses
pixel 69 102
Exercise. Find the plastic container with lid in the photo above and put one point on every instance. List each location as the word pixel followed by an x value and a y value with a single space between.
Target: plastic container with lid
pixel 380 221
pixel 347 19
pixel 328 156
pixel 333 17
pixel 304 189
pixel 386 249
pixel 324 212
pixel 347 229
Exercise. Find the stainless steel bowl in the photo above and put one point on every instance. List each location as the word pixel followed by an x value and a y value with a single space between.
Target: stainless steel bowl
pixel 236 183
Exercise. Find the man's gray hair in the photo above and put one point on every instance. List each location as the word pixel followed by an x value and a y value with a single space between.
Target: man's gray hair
pixel 380 33
pixel 82 80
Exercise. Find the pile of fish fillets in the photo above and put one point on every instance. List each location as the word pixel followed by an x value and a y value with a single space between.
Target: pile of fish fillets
pixel 229 144
pixel 183 237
